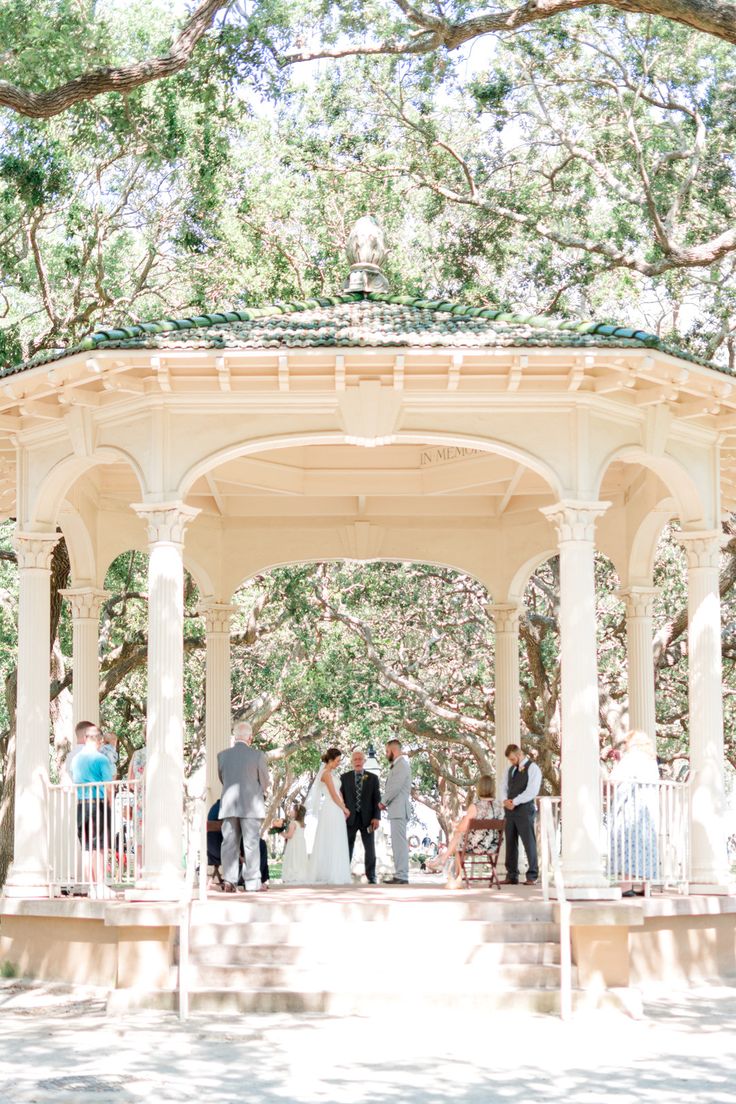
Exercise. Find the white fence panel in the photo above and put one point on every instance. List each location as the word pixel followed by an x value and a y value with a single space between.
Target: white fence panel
pixel 646 832
pixel 95 837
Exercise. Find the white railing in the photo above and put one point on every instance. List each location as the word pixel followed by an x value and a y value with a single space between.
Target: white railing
pixel 196 860
pixel 549 836
pixel 555 806
pixel 95 838
pixel 646 832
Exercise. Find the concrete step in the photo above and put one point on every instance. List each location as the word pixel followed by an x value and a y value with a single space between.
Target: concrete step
pixel 230 1002
pixel 467 978
pixel 440 933
pixel 367 907
pixel 456 953
pixel 225 1003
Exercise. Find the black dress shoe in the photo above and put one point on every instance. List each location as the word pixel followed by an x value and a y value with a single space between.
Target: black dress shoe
pixel 628 893
pixel 228 887
pixel 395 881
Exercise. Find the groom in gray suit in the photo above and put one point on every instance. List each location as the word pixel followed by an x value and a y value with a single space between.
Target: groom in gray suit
pixel 397 803
pixel 244 775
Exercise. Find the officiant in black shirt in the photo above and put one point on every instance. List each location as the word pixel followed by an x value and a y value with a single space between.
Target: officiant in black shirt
pixel 362 795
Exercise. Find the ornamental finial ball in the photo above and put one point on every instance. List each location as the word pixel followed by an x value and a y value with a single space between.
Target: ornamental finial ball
pixel 366 251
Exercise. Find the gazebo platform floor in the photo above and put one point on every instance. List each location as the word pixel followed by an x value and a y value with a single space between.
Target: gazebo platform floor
pixel 371 949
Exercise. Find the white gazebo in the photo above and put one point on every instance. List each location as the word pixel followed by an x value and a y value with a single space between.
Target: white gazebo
pixel 368 426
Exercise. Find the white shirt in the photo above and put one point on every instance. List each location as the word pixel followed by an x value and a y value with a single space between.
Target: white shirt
pixel 533 784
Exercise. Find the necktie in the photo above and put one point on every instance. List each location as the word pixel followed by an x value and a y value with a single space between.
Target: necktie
pixel 358 789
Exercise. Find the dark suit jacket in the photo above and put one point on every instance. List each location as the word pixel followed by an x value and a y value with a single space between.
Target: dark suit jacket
pixel 369 799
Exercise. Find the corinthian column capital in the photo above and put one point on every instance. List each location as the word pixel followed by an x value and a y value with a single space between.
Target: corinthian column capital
pixel 166 522
pixel 703 548
pixel 217 616
pixel 85 602
pixel 506 616
pixel 639 600
pixel 575 521
pixel 34 550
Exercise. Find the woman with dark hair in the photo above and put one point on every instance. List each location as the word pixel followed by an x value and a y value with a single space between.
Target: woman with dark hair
pixel 329 863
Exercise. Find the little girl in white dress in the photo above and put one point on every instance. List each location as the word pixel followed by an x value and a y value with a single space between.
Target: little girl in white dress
pixel 295 866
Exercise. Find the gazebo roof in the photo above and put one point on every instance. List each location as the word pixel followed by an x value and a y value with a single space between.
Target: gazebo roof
pixel 364 319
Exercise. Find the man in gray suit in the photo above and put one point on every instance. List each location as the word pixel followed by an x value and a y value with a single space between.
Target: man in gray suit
pixel 244 776
pixel 397 802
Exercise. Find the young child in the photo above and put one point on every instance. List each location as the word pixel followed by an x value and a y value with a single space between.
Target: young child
pixel 294 869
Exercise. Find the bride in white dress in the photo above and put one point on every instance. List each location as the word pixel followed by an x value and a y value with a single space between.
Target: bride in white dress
pixel 329 862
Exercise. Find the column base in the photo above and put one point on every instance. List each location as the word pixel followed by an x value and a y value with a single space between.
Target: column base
pixel 712 889
pixel 605 892
pixel 36 892
pixel 32 884
pixel 586 885
pixel 156 889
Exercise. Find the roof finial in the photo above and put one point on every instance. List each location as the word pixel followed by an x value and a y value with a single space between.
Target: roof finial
pixel 366 252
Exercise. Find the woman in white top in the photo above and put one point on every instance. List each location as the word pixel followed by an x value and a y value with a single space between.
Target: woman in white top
pixel 329 863
pixel 635 814
pixel 295 869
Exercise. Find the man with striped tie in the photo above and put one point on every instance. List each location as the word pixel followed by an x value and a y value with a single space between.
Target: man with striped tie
pixel 361 794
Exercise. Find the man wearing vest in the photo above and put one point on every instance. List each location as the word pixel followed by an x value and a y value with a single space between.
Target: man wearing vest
pixel 521 784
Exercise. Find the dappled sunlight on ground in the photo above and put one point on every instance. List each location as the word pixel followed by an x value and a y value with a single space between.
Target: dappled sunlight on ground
pixel 60 1046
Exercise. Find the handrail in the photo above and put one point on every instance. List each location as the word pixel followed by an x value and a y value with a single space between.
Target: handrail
pixel 196 849
pixel 551 857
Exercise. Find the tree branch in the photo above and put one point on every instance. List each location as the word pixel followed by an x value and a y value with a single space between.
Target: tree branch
pixel 123 79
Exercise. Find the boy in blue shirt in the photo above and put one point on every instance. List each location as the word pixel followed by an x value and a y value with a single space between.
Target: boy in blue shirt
pixel 90 769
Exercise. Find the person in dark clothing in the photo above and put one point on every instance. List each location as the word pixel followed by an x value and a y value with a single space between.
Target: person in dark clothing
pixel 362 795
pixel 521 784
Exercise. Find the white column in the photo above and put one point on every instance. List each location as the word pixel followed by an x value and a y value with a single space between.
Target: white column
pixel 639 602
pixel 218 710
pixel 507 702
pixel 707 794
pixel 86 603
pixel 164 797
pixel 29 874
pixel 580 767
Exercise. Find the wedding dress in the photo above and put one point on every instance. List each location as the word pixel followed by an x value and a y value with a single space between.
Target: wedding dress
pixel 329 862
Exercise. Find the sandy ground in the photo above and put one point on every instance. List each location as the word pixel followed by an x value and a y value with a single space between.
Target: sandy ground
pixel 61 1046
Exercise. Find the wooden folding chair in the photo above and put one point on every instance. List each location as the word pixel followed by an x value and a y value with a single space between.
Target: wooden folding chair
pixel 471 860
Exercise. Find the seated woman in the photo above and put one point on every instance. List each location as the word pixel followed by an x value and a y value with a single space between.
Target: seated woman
pixel 485 807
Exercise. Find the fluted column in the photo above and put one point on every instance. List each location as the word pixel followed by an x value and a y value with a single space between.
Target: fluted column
pixel 507 700
pixel 29 874
pixel 218 712
pixel 580 761
pixel 707 793
pixel 86 603
pixel 639 602
pixel 164 797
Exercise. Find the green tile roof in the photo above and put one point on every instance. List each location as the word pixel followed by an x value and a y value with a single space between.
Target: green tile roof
pixel 357 320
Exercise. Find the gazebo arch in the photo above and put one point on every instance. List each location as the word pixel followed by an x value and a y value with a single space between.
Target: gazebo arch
pixel 252 447
pixel 690 504
pixel 56 483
